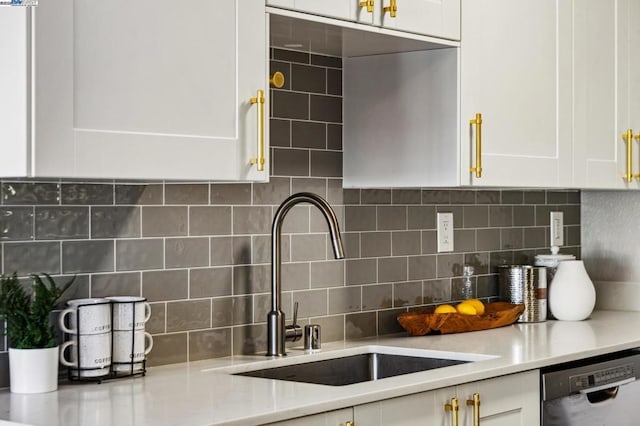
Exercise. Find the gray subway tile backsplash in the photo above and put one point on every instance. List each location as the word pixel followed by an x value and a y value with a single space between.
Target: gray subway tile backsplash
pixel 200 252
pixel 177 193
pixel 16 223
pixel 308 78
pixel 115 222
pixel 139 254
pixel 158 221
pixel 20 193
pixel 61 222
pixel 148 194
pixel 86 193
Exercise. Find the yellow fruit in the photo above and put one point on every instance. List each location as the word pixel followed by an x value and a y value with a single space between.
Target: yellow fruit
pixel 465 308
pixel 476 304
pixel 445 309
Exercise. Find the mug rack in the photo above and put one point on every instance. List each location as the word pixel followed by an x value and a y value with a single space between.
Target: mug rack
pixel 117 370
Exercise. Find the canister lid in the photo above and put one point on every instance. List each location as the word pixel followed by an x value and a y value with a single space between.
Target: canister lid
pixel 552 259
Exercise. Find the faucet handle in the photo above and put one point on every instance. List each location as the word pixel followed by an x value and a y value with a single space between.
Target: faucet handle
pixel 293 332
pixel 295 314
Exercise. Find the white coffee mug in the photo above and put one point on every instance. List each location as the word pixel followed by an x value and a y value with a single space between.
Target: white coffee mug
pixel 93 316
pixel 130 349
pixel 129 312
pixel 89 354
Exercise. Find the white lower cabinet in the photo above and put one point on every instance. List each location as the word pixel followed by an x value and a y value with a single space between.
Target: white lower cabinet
pixel 503 401
pixel 343 417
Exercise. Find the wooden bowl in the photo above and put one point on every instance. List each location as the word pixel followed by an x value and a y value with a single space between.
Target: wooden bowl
pixel 497 314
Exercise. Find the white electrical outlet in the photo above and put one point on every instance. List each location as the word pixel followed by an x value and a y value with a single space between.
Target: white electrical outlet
pixel 557 229
pixel 445 232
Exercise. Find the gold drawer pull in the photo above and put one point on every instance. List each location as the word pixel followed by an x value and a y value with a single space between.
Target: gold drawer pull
pixel 478 168
pixel 368 4
pixel 454 408
pixel 628 138
pixel 392 8
pixel 259 160
pixel 475 402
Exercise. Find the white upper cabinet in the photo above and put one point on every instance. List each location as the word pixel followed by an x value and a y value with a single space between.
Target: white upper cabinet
pixel 340 9
pixel 152 89
pixel 408 115
pixel 435 18
pixel 438 18
pixel 514 73
pixel 14 89
pixel 606 96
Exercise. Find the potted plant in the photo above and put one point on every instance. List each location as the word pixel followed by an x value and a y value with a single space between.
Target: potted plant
pixel 33 354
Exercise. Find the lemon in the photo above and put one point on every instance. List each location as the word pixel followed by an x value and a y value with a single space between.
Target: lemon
pixel 476 304
pixel 445 309
pixel 465 308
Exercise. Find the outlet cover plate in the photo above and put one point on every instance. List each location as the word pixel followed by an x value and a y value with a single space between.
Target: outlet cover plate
pixel 445 232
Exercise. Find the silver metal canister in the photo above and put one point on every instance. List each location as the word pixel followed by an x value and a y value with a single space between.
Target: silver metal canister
pixel 528 285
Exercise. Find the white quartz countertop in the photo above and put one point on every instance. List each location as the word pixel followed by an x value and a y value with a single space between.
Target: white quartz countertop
pixel 204 393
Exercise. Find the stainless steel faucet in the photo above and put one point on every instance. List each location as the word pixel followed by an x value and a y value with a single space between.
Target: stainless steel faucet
pixel 277 334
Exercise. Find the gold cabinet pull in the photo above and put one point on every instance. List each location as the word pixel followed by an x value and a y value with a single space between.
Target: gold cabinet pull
pixel 478 168
pixel 637 137
pixel 368 4
pixel 454 408
pixel 628 138
pixel 259 99
pixel 475 402
pixel 349 423
pixel 277 80
pixel 392 8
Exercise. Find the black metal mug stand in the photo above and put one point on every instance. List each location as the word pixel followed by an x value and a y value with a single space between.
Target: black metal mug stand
pixel 132 363
pixel 79 373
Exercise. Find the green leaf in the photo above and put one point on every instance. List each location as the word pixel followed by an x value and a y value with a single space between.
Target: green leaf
pixel 27 314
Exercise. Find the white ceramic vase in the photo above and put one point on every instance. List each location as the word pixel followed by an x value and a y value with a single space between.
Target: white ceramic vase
pixel 33 370
pixel 572 295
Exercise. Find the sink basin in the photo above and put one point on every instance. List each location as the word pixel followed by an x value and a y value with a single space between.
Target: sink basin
pixel 373 363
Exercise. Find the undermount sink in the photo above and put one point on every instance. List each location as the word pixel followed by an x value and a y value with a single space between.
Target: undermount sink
pixel 371 363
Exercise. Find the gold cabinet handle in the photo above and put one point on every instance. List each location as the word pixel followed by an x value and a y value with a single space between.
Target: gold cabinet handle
pixel 368 4
pixel 349 423
pixel 392 8
pixel 478 168
pixel 454 408
pixel 628 138
pixel 637 137
pixel 259 99
pixel 277 80
pixel 475 402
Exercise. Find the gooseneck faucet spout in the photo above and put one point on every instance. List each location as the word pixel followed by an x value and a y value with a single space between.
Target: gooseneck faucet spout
pixel 276 332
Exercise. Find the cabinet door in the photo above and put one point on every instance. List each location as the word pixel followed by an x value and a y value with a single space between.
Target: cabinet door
pixel 633 17
pixel 606 91
pixel 418 409
pixel 149 89
pixel 331 418
pixel 340 9
pixel 14 93
pixel 512 400
pixel 515 71
pixel 437 18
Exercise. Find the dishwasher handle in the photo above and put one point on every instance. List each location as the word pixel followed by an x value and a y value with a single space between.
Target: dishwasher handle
pixel 602 393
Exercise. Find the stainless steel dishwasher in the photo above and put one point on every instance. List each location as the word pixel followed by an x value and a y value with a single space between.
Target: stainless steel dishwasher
pixel 603 391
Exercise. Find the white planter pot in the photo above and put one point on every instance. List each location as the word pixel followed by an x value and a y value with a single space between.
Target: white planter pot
pixel 33 370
